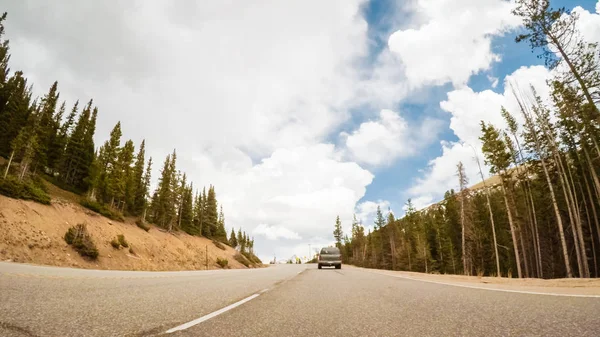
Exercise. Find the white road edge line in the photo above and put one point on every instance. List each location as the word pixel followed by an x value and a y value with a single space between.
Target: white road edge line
pixel 211 315
pixel 492 289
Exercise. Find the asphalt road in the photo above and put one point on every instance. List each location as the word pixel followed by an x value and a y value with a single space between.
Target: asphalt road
pixel 282 300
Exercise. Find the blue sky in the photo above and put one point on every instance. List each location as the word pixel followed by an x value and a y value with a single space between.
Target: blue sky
pixel 390 183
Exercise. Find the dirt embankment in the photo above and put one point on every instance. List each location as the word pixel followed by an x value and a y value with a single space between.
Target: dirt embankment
pixel 34 233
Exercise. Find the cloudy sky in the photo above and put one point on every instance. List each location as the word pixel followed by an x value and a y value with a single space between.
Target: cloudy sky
pixel 296 110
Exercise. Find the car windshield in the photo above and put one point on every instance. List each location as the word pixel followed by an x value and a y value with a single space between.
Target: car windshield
pixel 330 250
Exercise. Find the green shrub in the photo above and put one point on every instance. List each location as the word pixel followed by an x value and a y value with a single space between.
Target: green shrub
pixel 141 224
pixel 122 240
pixel 219 245
pixel 222 262
pixel 80 239
pixel 70 235
pixel 33 189
pixel 131 251
pixel 242 259
pixel 115 243
pixel 102 209
pixel 38 182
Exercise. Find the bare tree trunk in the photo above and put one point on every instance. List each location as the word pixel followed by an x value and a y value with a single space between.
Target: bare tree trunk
pixel 524 253
pixel 393 249
pixel 558 220
pixel 24 168
pixel 12 154
pixel 573 225
pixel 592 169
pixel 518 160
pixel 462 183
pixel 93 194
pixel 536 234
pixel 593 204
pixel 578 77
pixel 512 232
pixel 520 232
pixel 452 256
pixel 440 246
pixel 408 251
pixel 589 222
pixel 464 248
pixel 584 257
pixel 489 205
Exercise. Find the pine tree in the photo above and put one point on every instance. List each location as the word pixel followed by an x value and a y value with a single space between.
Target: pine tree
pixel 206 229
pixel 337 233
pixel 232 239
pixel 25 144
pixel 77 160
pixel 462 180
pixel 15 107
pixel 198 213
pixel 554 30
pixel 187 210
pixel 47 127
pixel 126 184
pixel 240 240
pixel 139 189
pixel 211 220
pixel 112 187
pixel 163 206
pixel 4 53
pixel 142 201
pixel 221 232
pixel 60 143
pixel 499 158
pixel 538 146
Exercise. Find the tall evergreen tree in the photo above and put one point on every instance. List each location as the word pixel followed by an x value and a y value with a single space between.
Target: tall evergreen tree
pixel 211 219
pixel 126 184
pixel 15 107
pixel 142 201
pixel 221 232
pixel 232 239
pixel 499 158
pixel 47 127
pixel 337 232
pixel 187 211
pixel 554 31
pixel 137 183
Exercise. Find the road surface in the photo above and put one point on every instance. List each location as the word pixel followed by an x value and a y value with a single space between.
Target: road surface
pixel 281 300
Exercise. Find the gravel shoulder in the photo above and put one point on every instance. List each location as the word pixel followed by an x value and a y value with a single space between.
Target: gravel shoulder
pixel 572 286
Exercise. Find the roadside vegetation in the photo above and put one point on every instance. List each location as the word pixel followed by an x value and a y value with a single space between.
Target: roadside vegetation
pixel 46 137
pixel 79 238
pixel 222 262
pixel 540 214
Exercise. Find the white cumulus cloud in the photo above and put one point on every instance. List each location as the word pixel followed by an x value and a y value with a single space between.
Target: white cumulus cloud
pixel 388 138
pixel 275 232
pixel 453 40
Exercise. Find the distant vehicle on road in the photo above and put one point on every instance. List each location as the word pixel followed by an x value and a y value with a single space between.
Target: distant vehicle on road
pixel 330 256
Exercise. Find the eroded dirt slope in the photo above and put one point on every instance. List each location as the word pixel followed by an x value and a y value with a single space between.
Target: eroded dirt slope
pixel 33 233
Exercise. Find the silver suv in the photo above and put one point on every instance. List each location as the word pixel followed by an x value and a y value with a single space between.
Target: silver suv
pixel 330 256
